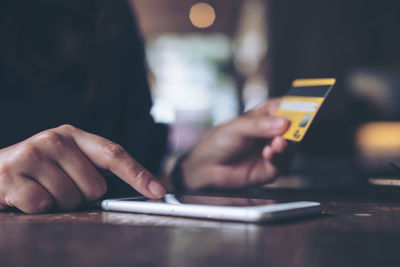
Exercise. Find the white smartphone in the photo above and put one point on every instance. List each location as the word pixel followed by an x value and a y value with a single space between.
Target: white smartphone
pixel 215 208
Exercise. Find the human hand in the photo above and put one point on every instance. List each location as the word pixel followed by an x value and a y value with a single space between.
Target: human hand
pixel 56 169
pixel 240 153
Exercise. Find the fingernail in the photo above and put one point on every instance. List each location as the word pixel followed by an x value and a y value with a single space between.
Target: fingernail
pixel 272 123
pixel 156 189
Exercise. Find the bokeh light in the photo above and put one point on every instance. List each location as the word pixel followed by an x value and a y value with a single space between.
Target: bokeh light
pixel 202 15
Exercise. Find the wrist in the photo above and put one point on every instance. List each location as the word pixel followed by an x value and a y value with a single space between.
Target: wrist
pixel 195 173
pixel 177 176
pixel 184 174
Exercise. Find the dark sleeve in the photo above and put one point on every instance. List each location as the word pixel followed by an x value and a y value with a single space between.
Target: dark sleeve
pixel 84 63
pixel 136 130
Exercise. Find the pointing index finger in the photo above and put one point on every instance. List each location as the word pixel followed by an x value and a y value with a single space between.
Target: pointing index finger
pixel 109 155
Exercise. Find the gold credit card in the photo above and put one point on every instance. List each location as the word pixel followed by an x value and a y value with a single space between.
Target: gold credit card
pixel 302 103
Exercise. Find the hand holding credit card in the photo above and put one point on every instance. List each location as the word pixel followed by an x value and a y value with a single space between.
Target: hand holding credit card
pixel 302 103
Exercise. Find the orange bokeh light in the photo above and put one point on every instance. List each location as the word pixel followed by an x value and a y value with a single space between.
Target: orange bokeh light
pixel 202 15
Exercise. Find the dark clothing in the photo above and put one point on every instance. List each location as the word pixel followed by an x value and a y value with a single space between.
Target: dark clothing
pixel 76 62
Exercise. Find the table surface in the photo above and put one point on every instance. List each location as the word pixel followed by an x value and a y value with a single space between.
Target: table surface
pixel 358 227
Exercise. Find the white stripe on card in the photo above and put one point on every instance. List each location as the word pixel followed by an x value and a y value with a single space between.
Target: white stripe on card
pixel 299 106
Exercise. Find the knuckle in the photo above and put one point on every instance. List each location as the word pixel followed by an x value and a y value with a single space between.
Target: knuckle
pixel 67 128
pixel 114 151
pixel 138 172
pixel 50 137
pixel 28 151
pixel 140 178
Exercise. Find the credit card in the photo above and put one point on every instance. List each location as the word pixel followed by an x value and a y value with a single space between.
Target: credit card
pixel 301 104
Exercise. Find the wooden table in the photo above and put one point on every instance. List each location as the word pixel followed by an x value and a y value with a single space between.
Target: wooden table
pixel 359 227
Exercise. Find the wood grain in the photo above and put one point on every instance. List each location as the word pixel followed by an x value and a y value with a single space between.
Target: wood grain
pixel 364 231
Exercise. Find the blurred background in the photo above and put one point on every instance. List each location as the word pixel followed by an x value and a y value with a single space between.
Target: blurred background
pixel 210 61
